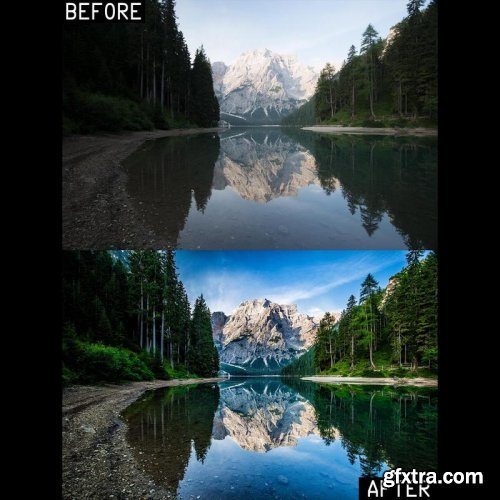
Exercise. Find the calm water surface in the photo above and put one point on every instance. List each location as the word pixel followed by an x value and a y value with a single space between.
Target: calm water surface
pixel 280 438
pixel 286 188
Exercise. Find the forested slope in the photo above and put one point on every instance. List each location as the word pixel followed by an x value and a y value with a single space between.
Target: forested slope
pixel 391 82
pixel 389 332
pixel 127 316
pixel 135 76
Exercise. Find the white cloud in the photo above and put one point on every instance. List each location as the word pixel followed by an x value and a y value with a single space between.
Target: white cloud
pixel 310 287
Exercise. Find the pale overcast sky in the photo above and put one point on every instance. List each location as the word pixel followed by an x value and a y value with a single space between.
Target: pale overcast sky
pixel 316 31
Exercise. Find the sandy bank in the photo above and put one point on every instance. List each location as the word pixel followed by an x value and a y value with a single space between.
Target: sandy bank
pixel 374 131
pixel 96 459
pixel 422 382
pixel 97 213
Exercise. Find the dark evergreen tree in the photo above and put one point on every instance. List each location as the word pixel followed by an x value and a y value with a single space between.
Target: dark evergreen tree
pixel 326 93
pixel 170 304
pixel 411 311
pixel 326 342
pixel 351 304
pixel 368 289
pixel 427 322
pixel 204 107
pixel 370 38
pixel 350 68
pixel 414 6
pixel 203 357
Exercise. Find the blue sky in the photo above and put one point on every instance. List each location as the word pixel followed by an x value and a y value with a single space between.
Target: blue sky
pixel 316 31
pixel 317 281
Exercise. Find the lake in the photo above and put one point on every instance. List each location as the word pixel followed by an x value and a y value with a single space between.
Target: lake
pixel 270 187
pixel 279 438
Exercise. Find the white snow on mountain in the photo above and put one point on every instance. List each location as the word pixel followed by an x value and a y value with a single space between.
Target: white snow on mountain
pixel 261 86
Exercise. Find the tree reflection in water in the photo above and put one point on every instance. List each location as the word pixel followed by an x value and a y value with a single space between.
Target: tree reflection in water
pixel 175 431
pixel 240 188
pixel 378 174
pixel 169 427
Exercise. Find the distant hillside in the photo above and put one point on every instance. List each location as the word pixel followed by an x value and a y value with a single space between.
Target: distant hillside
pixel 303 116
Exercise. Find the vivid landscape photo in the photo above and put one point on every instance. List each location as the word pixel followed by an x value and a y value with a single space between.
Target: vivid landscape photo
pixel 335 376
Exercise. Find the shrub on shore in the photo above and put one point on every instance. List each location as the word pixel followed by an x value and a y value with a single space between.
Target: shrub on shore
pixel 87 112
pixel 93 363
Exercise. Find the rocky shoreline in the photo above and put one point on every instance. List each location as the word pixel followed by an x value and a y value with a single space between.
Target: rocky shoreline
pixel 97 461
pixel 97 212
pixel 419 131
pixel 418 381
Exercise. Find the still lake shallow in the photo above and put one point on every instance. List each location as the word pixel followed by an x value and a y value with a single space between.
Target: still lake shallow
pixel 266 188
pixel 279 438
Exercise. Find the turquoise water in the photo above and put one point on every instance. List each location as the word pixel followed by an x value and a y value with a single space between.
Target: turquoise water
pixel 280 438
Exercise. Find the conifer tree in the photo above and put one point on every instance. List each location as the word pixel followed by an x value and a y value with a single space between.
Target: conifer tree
pixel 368 289
pixel 203 358
pixel 204 107
pixel 351 303
pixel 351 68
pixel 325 95
pixel 370 38
pixel 326 342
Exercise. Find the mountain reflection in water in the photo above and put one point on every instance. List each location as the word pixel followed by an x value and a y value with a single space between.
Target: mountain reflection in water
pixel 286 188
pixel 271 437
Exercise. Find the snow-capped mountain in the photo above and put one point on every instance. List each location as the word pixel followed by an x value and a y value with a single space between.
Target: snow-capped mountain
pixel 262 336
pixel 260 87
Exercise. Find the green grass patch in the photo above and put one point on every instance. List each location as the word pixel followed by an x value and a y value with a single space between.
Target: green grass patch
pixel 383 368
pixel 180 371
pixel 94 363
pixel 384 118
pixel 340 118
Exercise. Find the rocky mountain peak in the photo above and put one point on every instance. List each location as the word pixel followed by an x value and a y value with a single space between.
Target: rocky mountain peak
pixel 262 86
pixel 262 336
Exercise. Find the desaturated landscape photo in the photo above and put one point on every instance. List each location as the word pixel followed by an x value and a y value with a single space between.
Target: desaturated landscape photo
pixel 265 125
